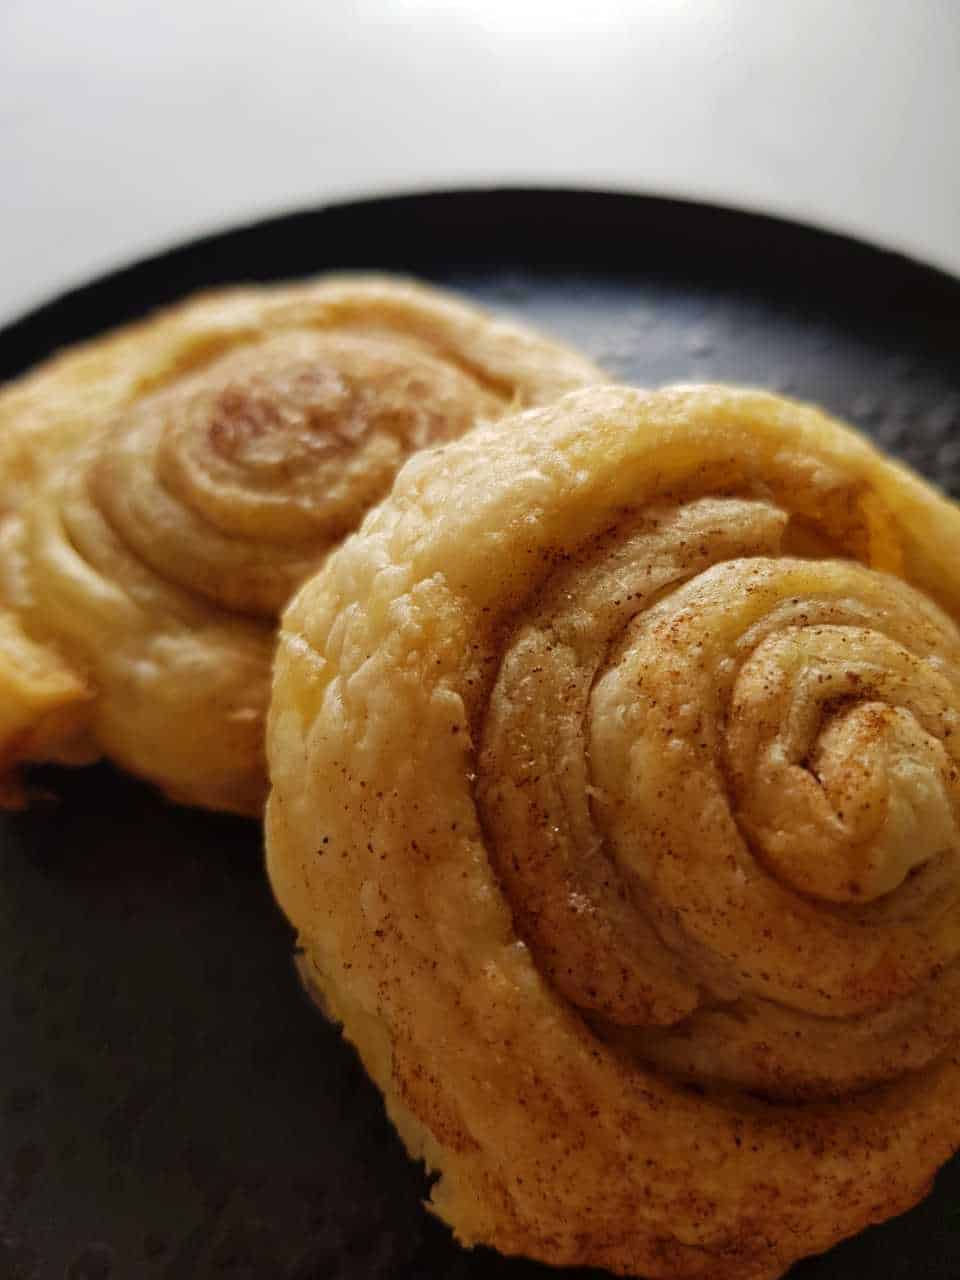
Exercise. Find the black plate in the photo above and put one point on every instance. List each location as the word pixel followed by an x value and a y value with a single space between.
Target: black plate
pixel 172 1106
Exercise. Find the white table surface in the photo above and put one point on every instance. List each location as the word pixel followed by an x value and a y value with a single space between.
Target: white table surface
pixel 127 125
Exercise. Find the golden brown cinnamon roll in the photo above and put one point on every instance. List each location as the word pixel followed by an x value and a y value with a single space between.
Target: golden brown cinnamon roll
pixel 165 489
pixel 616 802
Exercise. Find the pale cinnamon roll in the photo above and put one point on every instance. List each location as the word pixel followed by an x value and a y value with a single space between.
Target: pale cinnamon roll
pixel 616 801
pixel 165 489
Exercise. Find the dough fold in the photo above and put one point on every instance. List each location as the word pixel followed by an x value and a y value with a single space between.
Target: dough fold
pixel 616 802
pixel 165 489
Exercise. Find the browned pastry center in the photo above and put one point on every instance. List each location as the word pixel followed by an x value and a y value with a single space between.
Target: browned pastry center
pixel 233 481
pixel 727 816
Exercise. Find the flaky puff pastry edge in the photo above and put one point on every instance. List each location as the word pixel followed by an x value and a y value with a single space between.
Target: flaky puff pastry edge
pixel 551 1140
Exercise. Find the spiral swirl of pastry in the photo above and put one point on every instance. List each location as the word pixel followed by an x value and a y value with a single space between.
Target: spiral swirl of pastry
pixel 616 800
pixel 234 482
pixel 166 490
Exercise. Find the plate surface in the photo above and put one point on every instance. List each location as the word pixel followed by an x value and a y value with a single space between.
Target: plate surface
pixel 171 1105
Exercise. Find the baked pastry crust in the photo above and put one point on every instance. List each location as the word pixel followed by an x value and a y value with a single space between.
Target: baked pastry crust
pixel 616 804
pixel 164 489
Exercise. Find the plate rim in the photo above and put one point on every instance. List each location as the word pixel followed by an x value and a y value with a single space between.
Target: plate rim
pixel 21 329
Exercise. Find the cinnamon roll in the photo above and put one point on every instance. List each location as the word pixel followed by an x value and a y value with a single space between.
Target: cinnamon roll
pixel 616 802
pixel 165 489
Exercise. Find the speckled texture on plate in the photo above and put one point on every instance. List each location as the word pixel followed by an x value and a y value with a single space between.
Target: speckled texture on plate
pixel 171 1104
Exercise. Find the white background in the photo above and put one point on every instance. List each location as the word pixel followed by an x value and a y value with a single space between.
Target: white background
pixel 126 126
